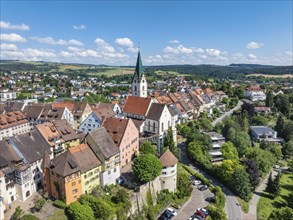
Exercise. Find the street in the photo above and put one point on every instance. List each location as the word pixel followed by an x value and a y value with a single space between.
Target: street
pixel 232 210
pixel 217 120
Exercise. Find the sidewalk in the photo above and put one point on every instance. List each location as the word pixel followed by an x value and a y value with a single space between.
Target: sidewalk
pixel 252 214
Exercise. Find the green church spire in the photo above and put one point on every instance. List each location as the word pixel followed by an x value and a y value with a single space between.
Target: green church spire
pixel 138 68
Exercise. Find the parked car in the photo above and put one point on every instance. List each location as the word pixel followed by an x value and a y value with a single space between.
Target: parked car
pixel 199 212
pixel 206 212
pixel 197 217
pixel 171 211
pixel 202 188
pixel 196 182
pixel 210 199
pixel 120 180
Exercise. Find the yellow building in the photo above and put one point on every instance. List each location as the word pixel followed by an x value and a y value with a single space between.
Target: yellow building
pixel 63 177
pixel 90 167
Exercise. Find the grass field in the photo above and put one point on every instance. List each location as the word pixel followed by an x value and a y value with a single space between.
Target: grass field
pixel 266 203
pixel 58 214
pixel 272 76
pixel 114 71
pixel 71 67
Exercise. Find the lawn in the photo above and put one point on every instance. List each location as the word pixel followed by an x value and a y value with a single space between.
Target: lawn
pixel 266 203
pixel 113 71
pixel 58 215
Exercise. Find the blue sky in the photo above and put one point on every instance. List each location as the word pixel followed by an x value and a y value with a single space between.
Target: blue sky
pixel 169 32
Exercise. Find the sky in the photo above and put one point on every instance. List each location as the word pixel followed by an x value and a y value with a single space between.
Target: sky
pixel 167 32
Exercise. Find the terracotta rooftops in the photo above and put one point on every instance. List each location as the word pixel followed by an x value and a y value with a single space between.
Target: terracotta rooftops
pixel 85 157
pixel 137 105
pixel 116 128
pixel 103 113
pixel 253 88
pixel 65 130
pixel 77 108
pixel 12 119
pixel 168 159
pixel 103 143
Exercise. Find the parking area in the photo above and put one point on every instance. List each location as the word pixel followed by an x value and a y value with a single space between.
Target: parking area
pixel 197 200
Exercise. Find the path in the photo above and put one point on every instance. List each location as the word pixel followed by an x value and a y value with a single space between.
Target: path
pixel 217 120
pixel 252 214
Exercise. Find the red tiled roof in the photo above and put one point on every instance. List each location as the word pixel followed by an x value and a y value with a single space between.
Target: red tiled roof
pixel 116 127
pixel 137 105
pixel 12 119
pixel 168 159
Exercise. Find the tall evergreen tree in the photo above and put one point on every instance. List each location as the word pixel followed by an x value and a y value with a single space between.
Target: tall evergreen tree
pixel 270 99
pixel 169 143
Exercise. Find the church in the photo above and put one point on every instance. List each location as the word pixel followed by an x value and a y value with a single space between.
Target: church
pixel 139 83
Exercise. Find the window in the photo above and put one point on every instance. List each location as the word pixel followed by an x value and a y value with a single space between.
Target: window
pixel 135 88
pixel 162 126
pixel 164 173
pixel 154 127
pixel 115 169
pixel 149 125
pixel 74 191
pixel 73 183
pixel 109 172
pixel 142 88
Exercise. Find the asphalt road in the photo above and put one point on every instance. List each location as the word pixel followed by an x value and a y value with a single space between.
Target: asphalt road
pixel 232 210
pixel 217 120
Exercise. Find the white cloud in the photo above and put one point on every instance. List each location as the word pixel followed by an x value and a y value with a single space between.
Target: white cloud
pixel 79 27
pixel 7 25
pixel 12 37
pixel 254 45
pixel 29 54
pixel 180 49
pixel 104 46
pixel 73 49
pixel 213 52
pixel 126 42
pixel 133 49
pixel 251 56
pixel 174 42
pixel 75 42
pixel 50 40
pixel 10 47
pixel 66 54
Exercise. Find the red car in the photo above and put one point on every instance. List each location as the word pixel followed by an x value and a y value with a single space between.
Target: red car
pixel 202 214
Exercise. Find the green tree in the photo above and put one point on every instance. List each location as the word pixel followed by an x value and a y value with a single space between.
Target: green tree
pixel 290 164
pixel 122 199
pixel 274 148
pixel 252 170
pixel 17 213
pixel 231 133
pixel 280 124
pixel 276 188
pixel 241 142
pixel 216 213
pixel 282 103
pixel 241 183
pixel 78 211
pixel 147 148
pixel 283 213
pixel 264 159
pixel 39 203
pixel 183 185
pixel 220 198
pixel 169 143
pixel 195 152
pixel 287 149
pixel 101 208
pixel 229 151
pixel 270 183
pixel 146 167
pixel 269 99
pixel 260 120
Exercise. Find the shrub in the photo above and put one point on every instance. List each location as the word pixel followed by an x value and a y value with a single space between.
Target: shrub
pixel 29 217
pixel 39 203
pixel 59 204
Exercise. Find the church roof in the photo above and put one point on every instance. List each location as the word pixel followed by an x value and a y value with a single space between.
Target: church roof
pixel 138 67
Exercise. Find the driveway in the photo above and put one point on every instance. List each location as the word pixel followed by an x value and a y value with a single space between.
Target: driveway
pixel 232 210
pixel 226 114
pixel 197 200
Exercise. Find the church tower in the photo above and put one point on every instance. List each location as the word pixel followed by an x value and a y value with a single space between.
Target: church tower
pixel 139 83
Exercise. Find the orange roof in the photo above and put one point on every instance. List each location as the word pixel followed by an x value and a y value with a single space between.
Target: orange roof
pixel 137 105
pixel 11 119
pixel 69 105
pixel 168 159
pixel 116 127
pixel 198 91
pixel 48 131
